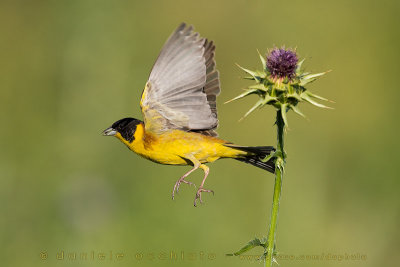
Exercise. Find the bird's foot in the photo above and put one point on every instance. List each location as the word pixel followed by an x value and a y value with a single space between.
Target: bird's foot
pixel 178 183
pixel 198 195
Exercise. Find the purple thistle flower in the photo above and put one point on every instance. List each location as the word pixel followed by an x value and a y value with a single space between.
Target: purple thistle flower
pixel 282 63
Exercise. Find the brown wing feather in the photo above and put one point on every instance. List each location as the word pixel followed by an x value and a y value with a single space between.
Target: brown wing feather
pixel 212 86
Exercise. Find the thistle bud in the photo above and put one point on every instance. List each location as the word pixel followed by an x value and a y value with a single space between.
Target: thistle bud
pixel 281 83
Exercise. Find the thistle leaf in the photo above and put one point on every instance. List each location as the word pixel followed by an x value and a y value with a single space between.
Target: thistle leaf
pixel 298 69
pixel 311 77
pixel 318 97
pixel 258 86
pixel 283 112
pixel 260 75
pixel 246 93
pixel 297 110
pixel 252 244
pixel 295 96
pixel 254 74
pixel 257 105
pixel 315 75
pixel 267 99
pixel 305 97
pixel 263 61
pixel 268 157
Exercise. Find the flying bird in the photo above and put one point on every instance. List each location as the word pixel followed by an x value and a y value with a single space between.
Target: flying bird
pixel 180 114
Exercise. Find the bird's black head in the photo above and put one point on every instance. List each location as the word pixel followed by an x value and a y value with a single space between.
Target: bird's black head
pixel 126 127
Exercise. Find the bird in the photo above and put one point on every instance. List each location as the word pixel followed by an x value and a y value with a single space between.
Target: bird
pixel 178 104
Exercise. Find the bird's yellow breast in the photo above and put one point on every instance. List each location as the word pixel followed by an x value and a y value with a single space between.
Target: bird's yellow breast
pixel 174 146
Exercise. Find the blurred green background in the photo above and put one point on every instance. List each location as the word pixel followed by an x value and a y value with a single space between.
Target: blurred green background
pixel 71 68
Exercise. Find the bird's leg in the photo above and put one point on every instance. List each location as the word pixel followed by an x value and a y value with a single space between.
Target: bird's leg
pixel 196 165
pixel 201 188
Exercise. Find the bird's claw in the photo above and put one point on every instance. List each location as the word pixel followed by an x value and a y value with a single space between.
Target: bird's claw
pixel 198 195
pixel 178 184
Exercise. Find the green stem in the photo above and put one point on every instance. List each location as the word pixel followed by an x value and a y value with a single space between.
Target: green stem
pixel 279 165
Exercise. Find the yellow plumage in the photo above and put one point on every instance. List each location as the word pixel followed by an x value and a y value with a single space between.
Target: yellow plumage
pixel 174 146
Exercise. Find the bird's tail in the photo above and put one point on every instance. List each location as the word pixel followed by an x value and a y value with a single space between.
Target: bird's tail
pixel 255 156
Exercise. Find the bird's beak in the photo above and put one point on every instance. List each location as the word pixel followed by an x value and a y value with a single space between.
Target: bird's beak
pixel 109 132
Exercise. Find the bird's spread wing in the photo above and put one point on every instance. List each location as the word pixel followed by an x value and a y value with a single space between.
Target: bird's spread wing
pixel 183 85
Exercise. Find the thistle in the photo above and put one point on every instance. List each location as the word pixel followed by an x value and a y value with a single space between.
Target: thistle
pixel 280 84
